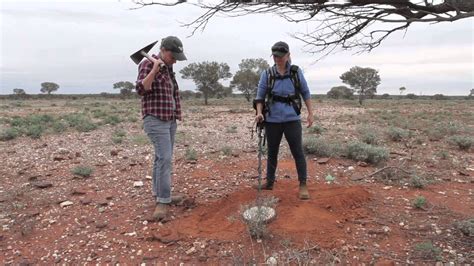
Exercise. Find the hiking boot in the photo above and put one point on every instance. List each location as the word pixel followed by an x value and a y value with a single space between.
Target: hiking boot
pixel 177 198
pixel 160 212
pixel 265 186
pixel 303 192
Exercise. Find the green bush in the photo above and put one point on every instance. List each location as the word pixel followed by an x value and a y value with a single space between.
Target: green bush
pixel 466 227
pixel 118 136
pixel 84 171
pixel 368 135
pixel 227 151
pixel 427 250
pixel 316 129
pixel 190 155
pixel 367 153
pixel 419 202
pixel 111 120
pixel 463 142
pixel 59 126
pixel 34 131
pixel 9 134
pixel 398 134
pixel 417 182
pixel 232 129
pixel 319 147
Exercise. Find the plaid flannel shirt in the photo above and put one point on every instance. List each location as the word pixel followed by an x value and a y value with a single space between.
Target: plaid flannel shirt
pixel 159 100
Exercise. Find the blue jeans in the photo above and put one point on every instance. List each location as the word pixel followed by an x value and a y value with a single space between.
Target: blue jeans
pixel 161 134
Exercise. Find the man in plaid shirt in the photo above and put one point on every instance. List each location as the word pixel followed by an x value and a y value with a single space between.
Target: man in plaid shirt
pixel 157 86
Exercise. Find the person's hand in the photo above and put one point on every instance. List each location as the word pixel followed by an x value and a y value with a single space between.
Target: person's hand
pixel 259 118
pixel 157 64
pixel 310 120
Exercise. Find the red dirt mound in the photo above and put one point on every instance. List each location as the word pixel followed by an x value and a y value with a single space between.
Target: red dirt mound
pixel 319 219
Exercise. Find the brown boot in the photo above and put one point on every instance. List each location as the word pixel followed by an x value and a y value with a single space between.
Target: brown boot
pixel 303 193
pixel 160 212
pixel 265 186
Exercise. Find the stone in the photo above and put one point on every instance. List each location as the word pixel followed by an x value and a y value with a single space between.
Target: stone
pixel 66 203
pixel 42 184
pixel 138 184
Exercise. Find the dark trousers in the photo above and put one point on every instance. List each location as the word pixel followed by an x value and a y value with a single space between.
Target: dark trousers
pixel 293 134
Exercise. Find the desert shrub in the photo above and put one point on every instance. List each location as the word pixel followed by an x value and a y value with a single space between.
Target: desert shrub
pixel 397 134
pixel 463 142
pixel 411 96
pixel 368 135
pixel 80 122
pixel 118 136
pixel 232 129
pixel 227 151
pixel 84 171
pixel 419 202
pixel 439 97
pixel 316 129
pixel 320 147
pixel 417 182
pixel 427 250
pixel 466 227
pixel 190 155
pixel 359 151
pixel 9 134
pixel 34 131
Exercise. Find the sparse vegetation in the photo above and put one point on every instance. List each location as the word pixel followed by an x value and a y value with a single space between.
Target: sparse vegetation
pixel 191 155
pixel 320 147
pixel 359 151
pixel 463 142
pixel 397 134
pixel 427 250
pixel 82 170
pixel 419 202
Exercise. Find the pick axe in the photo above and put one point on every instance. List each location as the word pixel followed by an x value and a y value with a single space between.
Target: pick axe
pixel 137 57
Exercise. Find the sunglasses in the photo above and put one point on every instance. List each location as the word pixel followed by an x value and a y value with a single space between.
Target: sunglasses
pixel 280 49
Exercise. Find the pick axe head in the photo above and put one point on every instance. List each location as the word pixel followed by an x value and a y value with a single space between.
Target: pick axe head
pixel 138 56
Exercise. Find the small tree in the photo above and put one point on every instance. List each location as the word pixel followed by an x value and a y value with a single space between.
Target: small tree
pixel 402 89
pixel 247 77
pixel 126 87
pixel 206 75
pixel 363 80
pixel 340 92
pixel 472 93
pixel 411 96
pixel 48 87
pixel 18 91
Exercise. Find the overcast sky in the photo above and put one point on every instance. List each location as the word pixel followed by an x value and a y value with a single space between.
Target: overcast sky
pixel 84 46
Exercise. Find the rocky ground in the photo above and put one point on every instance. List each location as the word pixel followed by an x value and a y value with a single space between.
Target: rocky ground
pixel 51 215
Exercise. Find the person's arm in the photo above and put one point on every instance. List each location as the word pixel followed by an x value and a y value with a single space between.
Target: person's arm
pixel 260 99
pixel 146 74
pixel 307 98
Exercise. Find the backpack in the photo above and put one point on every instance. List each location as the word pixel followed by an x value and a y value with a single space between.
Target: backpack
pixel 293 100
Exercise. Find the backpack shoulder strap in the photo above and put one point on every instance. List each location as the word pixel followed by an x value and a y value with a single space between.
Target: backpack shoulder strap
pixel 295 78
pixel 270 80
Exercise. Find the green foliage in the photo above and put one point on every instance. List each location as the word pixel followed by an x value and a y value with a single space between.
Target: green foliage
pixel 463 142
pixel 359 151
pixel 439 97
pixel 427 250
pixel 227 151
pixel 364 81
pixel 34 131
pixel 368 135
pixel 466 227
pixel 247 77
pixel 118 136
pixel 48 87
pixel 9 134
pixel 316 129
pixel 206 76
pixel 126 87
pixel 411 96
pixel 320 147
pixel 397 134
pixel 190 155
pixel 340 92
pixel 417 182
pixel 18 91
pixel 419 202
pixel 111 120
pixel 82 170
pixel 80 122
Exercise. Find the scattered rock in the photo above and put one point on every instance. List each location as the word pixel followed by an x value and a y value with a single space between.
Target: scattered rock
pixel 76 192
pixel 190 251
pixel 66 203
pixel 138 184
pixel 356 177
pixel 114 152
pixel 272 261
pixel 85 201
pixel 321 161
pixel 42 184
